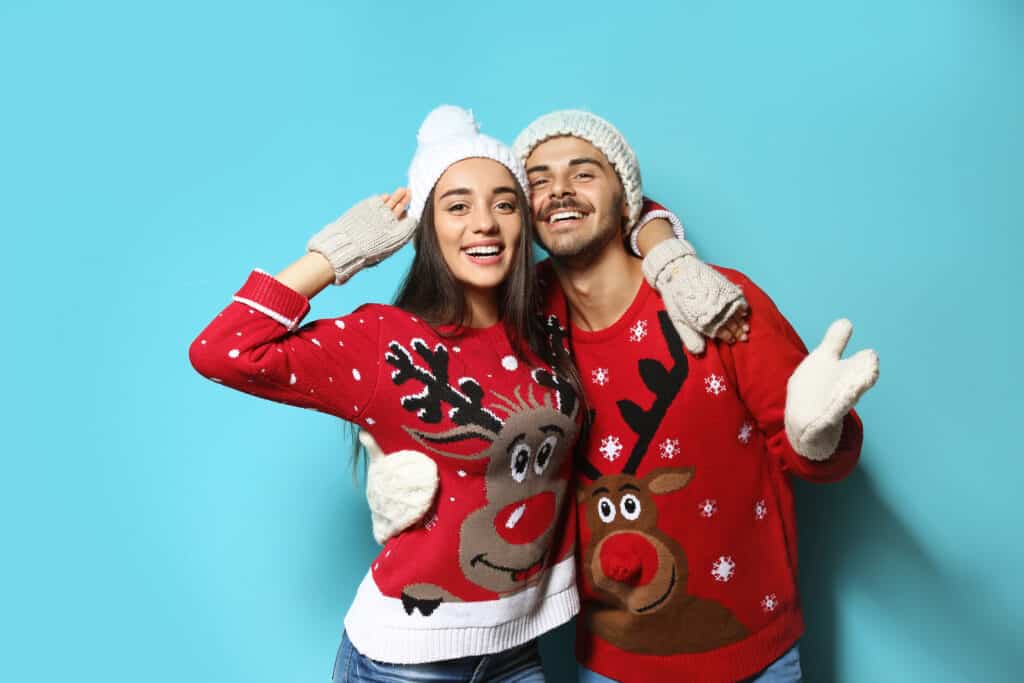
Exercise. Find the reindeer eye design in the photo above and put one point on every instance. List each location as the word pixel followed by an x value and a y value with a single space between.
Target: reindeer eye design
pixel 520 460
pixel 606 510
pixel 547 448
pixel 630 506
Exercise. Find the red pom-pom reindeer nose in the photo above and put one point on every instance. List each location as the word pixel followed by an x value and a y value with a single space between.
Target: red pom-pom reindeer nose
pixel 629 558
pixel 525 520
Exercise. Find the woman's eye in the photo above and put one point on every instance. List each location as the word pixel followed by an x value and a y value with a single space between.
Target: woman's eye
pixel 507 207
pixel 458 208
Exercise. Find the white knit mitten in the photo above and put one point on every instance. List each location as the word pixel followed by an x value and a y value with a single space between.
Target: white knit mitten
pixel 697 297
pixel 400 488
pixel 364 235
pixel 823 389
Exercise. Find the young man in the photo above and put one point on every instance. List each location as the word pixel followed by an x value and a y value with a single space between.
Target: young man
pixel 687 532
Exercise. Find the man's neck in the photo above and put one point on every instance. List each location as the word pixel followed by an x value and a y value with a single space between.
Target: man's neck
pixel 601 288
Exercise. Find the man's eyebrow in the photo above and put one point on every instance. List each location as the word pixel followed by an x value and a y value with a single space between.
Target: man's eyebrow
pixel 538 168
pixel 584 160
pixel 457 190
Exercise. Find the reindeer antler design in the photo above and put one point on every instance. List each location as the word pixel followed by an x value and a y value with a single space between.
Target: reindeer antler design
pixel 556 335
pixel 664 383
pixel 466 401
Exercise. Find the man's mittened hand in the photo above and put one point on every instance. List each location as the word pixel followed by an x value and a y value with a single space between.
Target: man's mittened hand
pixel 823 389
pixel 400 488
pixel 698 298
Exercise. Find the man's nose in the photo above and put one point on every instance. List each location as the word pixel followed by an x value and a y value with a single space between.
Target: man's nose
pixel 560 187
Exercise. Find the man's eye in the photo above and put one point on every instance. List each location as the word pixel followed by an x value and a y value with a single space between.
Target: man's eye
pixel 584 176
pixel 538 182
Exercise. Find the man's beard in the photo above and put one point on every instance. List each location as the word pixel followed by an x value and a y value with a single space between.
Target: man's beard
pixel 577 248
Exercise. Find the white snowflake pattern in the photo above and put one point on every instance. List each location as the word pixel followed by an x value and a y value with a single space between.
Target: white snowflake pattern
pixel 746 431
pixel 714 384
pixel 638 331
pixel 669 448
pixel 760 510
pixel 708 508
pixel 599 376
pixel 723 569
pixel 611 447
pixel 770 602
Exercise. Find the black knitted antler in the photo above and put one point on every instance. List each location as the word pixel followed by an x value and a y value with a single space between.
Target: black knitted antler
pixel 466 401
pixel 664 383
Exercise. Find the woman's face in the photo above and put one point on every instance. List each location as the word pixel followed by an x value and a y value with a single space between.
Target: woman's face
pixel 478 221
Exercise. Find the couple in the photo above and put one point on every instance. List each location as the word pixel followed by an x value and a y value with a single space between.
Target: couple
pixel 673 451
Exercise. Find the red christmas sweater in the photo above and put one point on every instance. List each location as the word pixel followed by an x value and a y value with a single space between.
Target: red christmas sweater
pixel 687 530
pixel 492 566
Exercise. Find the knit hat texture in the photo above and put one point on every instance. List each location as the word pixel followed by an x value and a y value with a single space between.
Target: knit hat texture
pixel 599 133
pixel 450 134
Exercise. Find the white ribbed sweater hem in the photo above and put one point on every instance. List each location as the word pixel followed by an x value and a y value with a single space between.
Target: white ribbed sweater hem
pixel 421 643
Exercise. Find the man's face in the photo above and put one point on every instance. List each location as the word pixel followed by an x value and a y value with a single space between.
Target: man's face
pixel 576 197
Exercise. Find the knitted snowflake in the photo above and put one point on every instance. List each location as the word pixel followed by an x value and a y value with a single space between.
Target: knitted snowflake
pixel 638 331
pixel 599 376
pixel 611 447
pixel 746 431
pixel 708 508
pixel 723 569
pixel 760 510
pixel 714 384
pixel 669 448
pixel 770 602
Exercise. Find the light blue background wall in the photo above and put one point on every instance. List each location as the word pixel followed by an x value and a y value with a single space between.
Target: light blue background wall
pixel 861 160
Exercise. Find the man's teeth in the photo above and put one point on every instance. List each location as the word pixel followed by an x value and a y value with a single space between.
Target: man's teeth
pixel 564 216
pixel 484 251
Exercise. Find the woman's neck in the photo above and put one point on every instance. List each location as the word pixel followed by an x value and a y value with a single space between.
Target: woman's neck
pixel 481 307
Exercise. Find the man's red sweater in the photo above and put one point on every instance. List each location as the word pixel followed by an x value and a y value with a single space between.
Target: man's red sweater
pixel 687 547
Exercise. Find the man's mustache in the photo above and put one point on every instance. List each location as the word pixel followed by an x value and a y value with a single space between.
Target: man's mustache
pixel 564 204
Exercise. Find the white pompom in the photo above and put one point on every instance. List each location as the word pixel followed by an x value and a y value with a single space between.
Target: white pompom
pixel 445 122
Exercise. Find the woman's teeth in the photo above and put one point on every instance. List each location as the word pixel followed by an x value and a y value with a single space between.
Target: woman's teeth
pixel 484 251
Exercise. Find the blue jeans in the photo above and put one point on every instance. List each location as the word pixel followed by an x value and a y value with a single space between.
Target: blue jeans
pixel 517 665
pixel 785 669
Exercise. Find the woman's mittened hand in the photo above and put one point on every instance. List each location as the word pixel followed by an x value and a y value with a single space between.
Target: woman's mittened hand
pixel 364 235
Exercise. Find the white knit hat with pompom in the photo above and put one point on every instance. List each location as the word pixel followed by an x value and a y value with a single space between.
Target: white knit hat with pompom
pixel 450 134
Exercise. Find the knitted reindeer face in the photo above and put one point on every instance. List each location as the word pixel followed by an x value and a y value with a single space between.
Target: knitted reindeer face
pixel 502 546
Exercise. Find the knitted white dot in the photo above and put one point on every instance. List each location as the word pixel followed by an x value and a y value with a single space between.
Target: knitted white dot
pixel 509 363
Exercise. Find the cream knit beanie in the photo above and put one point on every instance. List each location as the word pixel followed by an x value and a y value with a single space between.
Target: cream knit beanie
pixel 599 133
pixel 450 134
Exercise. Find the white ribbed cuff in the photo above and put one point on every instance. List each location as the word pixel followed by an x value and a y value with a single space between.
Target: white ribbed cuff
pixel 634 234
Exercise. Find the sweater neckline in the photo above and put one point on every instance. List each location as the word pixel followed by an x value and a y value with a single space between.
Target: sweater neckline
pixel 579 335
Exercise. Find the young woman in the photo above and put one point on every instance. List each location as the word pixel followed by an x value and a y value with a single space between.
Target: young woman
pixel 460 368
